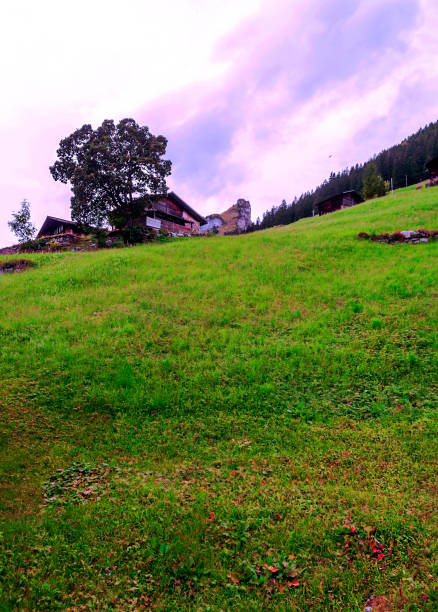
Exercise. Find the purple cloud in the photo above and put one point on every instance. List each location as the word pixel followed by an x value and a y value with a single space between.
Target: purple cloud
pixel 279 61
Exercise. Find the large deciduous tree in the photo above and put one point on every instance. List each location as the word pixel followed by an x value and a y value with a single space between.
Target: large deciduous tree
pixel 109 169
pixel 21 224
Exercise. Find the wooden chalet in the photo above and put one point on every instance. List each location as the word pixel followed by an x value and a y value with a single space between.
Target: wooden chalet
pixel 339 201
pixel 53 226
pixel 432 166
pixel 170 213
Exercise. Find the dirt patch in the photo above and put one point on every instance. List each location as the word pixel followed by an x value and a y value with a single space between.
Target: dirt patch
pixel 378 604
pixel 31 434
pixel 15 265
pixel 78 483
pixel 406 236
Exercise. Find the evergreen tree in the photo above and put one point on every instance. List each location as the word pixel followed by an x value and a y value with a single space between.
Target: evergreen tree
pixel 373 184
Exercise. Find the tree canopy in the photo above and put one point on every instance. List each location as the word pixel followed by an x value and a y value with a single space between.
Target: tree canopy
pixel 109 169
pixel 21 224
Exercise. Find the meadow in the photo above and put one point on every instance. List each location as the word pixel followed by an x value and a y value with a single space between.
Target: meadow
pixel 225 423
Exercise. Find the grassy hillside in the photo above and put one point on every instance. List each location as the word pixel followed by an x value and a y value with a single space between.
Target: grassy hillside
pixel 243 422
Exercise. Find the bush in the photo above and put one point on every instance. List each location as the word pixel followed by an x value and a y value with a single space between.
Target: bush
pixel 137 234
pixel 34 245
pixel 99 237
pixel 54 245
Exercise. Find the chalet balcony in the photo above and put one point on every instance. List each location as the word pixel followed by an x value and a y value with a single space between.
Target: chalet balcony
pixel 165 208
pixel 176 227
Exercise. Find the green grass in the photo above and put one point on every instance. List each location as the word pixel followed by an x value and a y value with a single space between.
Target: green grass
pixel 243 423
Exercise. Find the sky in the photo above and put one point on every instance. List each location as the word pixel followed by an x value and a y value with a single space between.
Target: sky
pixel 259 99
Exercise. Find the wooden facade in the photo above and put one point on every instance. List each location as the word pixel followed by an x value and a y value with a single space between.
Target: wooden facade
pixel 170 213
pixel 338 202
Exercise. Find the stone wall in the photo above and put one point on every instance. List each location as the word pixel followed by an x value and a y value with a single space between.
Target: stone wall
pixel 405 236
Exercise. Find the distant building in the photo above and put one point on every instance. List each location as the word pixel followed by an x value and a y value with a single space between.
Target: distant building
pixel 53 226
pixel 338 202
pixel 214 222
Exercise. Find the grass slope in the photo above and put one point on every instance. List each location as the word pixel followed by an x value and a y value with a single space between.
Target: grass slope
pixel 243 422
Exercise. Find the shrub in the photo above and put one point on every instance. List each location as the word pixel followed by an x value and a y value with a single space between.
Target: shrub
pixel 34 245
pixel 99 237
pixel 136 234
pixel 54 245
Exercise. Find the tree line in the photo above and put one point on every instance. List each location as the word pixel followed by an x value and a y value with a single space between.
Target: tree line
pixel 403 163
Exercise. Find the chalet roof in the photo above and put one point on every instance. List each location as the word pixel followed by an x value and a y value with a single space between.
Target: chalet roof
pixel 51 222
pixel 179 202
pixel 66 221
pixel 334 196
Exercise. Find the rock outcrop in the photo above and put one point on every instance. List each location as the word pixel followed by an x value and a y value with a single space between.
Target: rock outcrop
pixel 15 265
pixel 235 220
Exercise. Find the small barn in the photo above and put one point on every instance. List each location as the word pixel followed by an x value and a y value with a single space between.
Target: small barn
pixel 53 226
pixel 346 199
